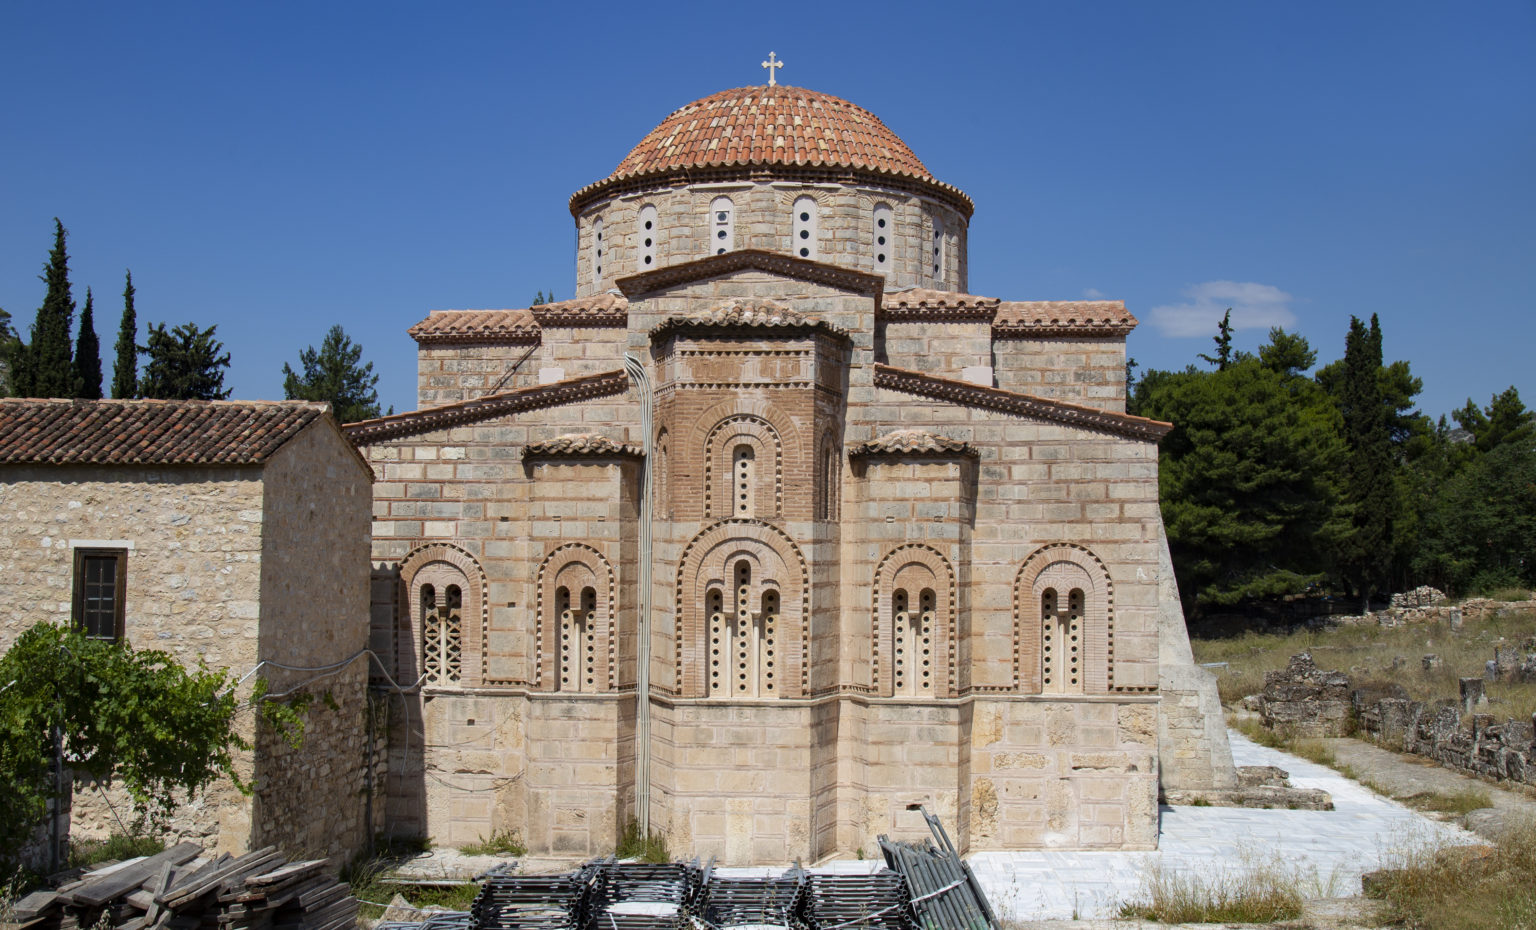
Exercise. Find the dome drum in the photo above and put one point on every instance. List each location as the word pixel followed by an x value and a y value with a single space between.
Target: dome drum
pixel 781 169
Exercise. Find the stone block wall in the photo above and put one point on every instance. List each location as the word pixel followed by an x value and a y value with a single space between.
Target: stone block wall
pixel 955 349
pixel 1069 368
pixel 194 542
pixel 1066 774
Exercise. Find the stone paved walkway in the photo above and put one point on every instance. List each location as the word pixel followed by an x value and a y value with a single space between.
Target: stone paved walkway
pixel 1324 851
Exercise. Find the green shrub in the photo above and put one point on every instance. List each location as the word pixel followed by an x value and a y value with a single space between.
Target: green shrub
pixel 502 843
pixel 648 848
pixel 117 846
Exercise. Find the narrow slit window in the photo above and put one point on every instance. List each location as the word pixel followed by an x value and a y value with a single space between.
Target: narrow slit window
pixel 569 640
pixel 587 627
pixel 882 241
pixel 938 252
pixel 722 225
pixel 805 229
pixel 743 461
pixel 597 250
pixel 648 234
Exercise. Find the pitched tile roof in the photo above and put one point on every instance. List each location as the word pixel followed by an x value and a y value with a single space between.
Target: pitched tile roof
pixel 914 442
pixel 1063 318
pixel 469 326
pixel 604 309
pixel 748 313
pixel 580 444
pixel 922 304
pixel 149 432
pixel 1028 405
pixel 569 391
pixel 791 127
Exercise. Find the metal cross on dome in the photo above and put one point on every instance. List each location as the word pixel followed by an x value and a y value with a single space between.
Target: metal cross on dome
pixel 772 64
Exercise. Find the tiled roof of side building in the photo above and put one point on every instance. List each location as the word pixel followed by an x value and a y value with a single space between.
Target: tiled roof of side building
pixel 464 326
pixel 1063 317
pixel 922 304
pixel 149 432
pixel 580 444
pixel 914 442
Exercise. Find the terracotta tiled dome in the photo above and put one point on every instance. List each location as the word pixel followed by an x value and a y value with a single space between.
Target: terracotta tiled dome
pixel 734 133
pixel 771 125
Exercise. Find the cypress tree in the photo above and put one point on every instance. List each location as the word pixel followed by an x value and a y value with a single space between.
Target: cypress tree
pixel 50 369
pixel 125 373
pixel 1365 552
pixel 88 354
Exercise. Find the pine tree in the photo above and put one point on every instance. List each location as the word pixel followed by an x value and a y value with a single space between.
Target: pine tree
pixel 125 373
pixel 49 369
pixel 1370 499
pixel 184 364
pixel 1223 338
pixel 336 375
pixel 88 354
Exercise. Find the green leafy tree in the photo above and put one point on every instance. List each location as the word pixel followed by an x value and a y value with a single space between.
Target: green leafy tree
pixel 1246 475
pixel 47 368
pixel 337 375
pixel 137 718
pixel 1223 338
pixel 541 298
pixel 88 354
pixel 125 372
pixel 184 364
pixel 1479 502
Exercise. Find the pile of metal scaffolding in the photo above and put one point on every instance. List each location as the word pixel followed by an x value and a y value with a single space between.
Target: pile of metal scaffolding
pixel 945 893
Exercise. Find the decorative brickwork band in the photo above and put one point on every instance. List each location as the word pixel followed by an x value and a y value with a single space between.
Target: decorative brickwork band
pixel 742 578
pixel 789 266
pixel 1027 405
pixel 415 422
pixel 1063 623
pixel 443 629
pixel 574 625
pixel 913 624
pixel 925 305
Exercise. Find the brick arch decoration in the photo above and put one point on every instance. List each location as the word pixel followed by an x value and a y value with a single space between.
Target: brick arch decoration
pixel 782 567
pixel 910 565
pixel 562 563
pixel 1098 617
pixel 767 426
pixel 476 609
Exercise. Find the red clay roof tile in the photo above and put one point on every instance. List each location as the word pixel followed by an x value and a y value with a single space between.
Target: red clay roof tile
pixel 149 432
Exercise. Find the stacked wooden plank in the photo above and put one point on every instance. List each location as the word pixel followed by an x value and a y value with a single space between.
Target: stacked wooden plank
pixel 180 889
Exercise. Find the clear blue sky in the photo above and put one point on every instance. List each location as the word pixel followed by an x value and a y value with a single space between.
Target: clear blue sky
pixel 275 168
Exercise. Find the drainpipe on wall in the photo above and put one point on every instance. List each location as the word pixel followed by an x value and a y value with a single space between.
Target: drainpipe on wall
pixel 636 372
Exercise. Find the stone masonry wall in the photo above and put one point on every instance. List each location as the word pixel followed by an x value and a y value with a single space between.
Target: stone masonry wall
pixel 1069 368
pixel 314 614
pixel 764 220
pixel 194 541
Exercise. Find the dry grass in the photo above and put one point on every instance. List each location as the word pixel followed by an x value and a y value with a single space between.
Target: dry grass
pixel 1468 888
pixel 1373 648
pixel 1453 802
pixel 1259 893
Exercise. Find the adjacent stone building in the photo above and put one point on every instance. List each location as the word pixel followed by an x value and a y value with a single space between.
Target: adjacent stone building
pixel 231 533
pixel 775 531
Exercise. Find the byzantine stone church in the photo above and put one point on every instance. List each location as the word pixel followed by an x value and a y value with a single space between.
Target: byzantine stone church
pixel 775 531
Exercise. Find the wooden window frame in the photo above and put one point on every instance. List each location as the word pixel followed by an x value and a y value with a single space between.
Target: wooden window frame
pixel 119 595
